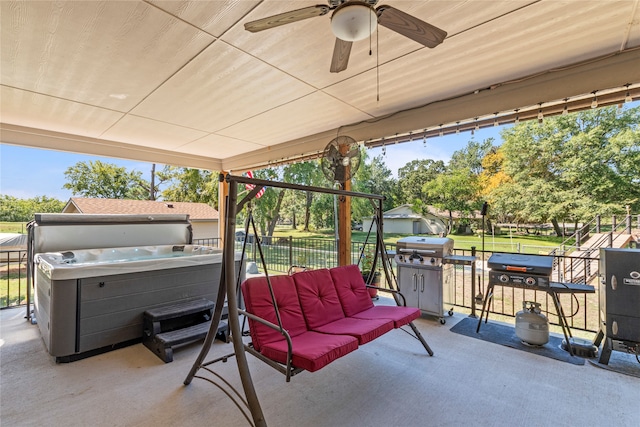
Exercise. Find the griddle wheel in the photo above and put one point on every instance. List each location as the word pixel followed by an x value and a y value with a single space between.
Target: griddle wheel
pixel 443 320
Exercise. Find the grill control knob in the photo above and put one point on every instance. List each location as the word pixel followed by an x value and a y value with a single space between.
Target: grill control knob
pixel 433 260
pixel 530 281
pixel 503 278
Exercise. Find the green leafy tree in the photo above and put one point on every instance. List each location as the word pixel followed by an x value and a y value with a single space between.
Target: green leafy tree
pixel 13 209
pixel 454 191
pixel 305 173
pixel 323 212
pixel 471 156
pixel 572 167
pixel 266 209
pixel 413 176
pixel 105 180
pixel 190 185
pixel 373 177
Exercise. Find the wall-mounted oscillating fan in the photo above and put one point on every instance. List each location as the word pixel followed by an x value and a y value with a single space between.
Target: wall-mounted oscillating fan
pixel 340 159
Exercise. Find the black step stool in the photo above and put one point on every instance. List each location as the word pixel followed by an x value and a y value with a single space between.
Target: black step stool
pixel 180 323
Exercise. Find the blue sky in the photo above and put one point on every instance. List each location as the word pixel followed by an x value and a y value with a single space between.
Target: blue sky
pixel 30 172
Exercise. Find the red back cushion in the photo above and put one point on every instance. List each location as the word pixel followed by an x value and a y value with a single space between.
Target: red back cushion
pixel 257 299
pixel 318 298
pixel 351 289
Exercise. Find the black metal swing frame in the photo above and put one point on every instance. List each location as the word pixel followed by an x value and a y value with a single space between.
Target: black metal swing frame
pixel 229 290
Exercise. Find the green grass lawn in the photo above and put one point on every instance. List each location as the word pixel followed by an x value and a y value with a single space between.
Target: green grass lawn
pixel 13 227
pixel 502 243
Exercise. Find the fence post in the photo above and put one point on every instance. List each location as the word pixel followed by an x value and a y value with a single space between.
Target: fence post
pixel 473 283
pixel 290 251
pixel 597 223
pixel 613 224
pixel 578 233
pixel 628 219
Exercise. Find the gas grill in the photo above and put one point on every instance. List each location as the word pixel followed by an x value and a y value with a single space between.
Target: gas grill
pixel 530 272
pixel 425 272
pixel 518 270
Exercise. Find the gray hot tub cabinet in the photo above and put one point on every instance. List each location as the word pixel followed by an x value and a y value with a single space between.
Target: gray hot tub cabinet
pixel 86 316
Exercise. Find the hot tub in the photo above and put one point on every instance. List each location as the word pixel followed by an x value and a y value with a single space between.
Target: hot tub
pixel 90 301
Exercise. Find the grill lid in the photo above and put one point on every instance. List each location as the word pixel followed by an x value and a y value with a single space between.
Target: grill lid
pixel 536 264
pixel 437 247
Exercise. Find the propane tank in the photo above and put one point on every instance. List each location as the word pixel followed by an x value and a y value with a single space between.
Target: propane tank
pixel 532 327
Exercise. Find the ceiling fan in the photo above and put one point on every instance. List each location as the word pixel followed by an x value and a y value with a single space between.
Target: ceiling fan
pixel 354 20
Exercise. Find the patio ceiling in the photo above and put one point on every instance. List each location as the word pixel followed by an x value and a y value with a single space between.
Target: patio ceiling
pixel 183 83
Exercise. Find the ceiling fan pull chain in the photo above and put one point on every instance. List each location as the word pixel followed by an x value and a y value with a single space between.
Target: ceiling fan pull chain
pixel 371 34
pixel 377 67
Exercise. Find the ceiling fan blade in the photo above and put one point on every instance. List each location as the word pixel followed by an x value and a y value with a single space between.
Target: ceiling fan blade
pixel 340 58
pixel 410 26
pixel 286 18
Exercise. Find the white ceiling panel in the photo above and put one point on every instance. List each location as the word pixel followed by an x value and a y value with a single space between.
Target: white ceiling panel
pixel 107 54
pixel 199 95
pixel 327 109
pixel 151 133
pixel 213 17
pixel 36 110
pixel 183 81
pixel 219 146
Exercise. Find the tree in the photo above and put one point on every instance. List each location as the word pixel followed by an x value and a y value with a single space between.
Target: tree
pixel 412 177
pixel 190 185
pixel 471 156
pixel 266 209
pixel 374 177
pixel 105 180
pixel 453 191
pixel 305 173
pixel 571 167
pixel 13 209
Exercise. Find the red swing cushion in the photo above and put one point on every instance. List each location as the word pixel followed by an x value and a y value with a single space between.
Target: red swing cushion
pixel 351 289
pixel 322 309
pixel 356 301
pixel 318 297
pixel 310 350
pixel 257 300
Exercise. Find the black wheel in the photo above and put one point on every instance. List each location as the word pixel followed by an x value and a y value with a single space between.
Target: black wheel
pixel 451 312
pixel 443 320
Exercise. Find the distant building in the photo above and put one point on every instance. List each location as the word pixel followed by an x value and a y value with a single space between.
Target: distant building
pixel 404 220
pixel 204 218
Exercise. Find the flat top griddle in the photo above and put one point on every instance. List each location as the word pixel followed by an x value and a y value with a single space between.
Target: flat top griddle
pixel 533 264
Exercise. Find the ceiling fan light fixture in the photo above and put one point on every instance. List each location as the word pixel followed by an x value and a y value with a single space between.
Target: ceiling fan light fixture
pixel 353 21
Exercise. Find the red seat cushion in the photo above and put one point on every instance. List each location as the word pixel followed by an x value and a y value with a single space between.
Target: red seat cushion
pixel 364 330
pixel 257 300
pixel 356 301
pixel 318 298
pixel 311 350
pixel 399 315
pixel 351 289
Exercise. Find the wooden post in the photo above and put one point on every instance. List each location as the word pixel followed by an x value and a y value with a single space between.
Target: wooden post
pixel 344 226
pixel 223 192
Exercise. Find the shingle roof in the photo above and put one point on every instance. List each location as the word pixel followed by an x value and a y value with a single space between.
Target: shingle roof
pixel 196 211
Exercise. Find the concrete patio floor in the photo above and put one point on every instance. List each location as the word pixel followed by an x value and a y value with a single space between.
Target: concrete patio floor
pixel 388 382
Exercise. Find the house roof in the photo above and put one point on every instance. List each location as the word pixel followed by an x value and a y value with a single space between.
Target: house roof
pixel 183 83
pixel 196 211
pixel 454 214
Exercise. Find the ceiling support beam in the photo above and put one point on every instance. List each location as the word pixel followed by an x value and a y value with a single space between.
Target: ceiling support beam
pixel 611 71
pixel 49 140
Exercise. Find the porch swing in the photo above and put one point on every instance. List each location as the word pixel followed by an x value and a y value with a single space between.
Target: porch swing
pixel 300 321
